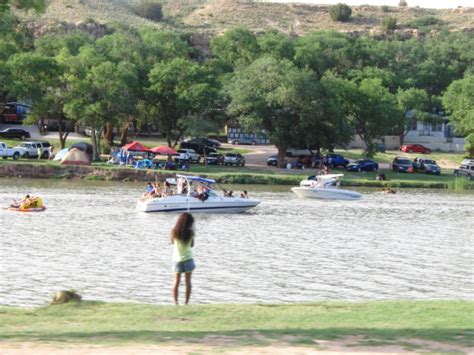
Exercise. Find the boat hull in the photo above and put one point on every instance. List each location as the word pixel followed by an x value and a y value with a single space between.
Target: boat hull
pixel 326 193
pixel 190 204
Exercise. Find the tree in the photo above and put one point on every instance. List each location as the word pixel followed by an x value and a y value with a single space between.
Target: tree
pixel 417 103
pixel 340 12
pixel 276 44
pixel 102 92
pixel 287 102
pixel 369 107
pixel 179 91
pixel 322 51
pixel 33 78
pixel 459 101
pixel 236 47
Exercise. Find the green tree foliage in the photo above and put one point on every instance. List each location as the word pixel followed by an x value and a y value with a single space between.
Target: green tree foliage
pixel 277 45
pixel 236 47
pixel 459 101
pixel 179 91
pixel 369 108
pixel 321 51
pixel 149 9
pixel 389 23
pixel 402 3
pixel 340 12
pixel 289 103
pixel 418 102
pixel 103 93
pixel 35 5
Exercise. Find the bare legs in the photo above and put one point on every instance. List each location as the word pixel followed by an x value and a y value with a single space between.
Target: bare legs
pixel 187 277
pixel 177 279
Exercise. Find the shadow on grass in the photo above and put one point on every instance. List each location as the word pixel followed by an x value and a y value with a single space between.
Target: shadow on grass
pixel 259 337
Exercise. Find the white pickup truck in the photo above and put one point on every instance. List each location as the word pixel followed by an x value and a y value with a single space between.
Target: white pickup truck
pixel 6 152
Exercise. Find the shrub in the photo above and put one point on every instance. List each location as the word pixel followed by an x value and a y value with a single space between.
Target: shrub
pixel 385 8
pixel 340 12
pixel 402 3
pixel 149 9
pixel 424 22
pixel 389 23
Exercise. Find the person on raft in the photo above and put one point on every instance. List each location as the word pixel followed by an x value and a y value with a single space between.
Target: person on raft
pixel 28 202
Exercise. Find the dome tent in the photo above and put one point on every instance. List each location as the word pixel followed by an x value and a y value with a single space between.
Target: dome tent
pixel 75 157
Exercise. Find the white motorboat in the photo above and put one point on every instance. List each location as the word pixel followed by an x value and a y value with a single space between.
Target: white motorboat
pixel 325 187
pixel 195 194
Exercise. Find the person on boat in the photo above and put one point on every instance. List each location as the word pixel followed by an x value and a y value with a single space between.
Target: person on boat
pixel 244 194
pixel 156 192
pixel 325 170
pixel 182 238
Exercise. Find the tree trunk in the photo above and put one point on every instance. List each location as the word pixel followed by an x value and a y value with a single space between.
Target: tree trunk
pixel 62 135
pixel 124 135
pixel 95 136
pixel 109 134
pixel 281 156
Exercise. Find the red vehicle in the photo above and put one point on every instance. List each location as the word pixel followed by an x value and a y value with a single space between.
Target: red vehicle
pixel 415 148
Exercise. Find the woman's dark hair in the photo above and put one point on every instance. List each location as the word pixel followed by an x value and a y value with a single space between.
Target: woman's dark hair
pixel 183 228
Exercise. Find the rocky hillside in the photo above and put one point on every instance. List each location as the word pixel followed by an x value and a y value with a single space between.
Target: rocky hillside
pixel 215 16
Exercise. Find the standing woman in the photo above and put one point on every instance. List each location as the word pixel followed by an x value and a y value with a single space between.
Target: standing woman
pixel 182 238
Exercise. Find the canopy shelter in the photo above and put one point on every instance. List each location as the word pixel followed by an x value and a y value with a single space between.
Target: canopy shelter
pixel 196 178
pixel 163 150
pixel 136 147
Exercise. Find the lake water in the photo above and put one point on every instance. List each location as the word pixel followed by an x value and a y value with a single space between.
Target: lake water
pixel 417 244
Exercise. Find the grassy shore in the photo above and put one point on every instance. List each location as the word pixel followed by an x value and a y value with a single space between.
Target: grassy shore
pixel 256 175
pixel 376 323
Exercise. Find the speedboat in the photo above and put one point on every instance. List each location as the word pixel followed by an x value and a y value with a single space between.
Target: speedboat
pixel 325 187
pixel 194 193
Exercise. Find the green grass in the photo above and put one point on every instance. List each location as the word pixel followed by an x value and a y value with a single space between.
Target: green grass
pixel 377 322
pixel 255 175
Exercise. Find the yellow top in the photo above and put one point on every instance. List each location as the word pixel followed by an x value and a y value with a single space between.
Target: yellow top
pixel 182 251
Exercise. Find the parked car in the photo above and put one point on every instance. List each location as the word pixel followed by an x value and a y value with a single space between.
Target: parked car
pixel 273 161
pixel 215 159
pixel 198 148
pixel 363 165
pixel 335 160
pixel 402 165
pixel 15 133
pixel 236 159
pixel 187 155
pixel 205 141
pixel 415 148
pixel 6 152
pixel 30 149
pixel 466 169
pixel 427 166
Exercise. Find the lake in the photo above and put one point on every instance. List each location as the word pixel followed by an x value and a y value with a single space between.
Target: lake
pixel 416 244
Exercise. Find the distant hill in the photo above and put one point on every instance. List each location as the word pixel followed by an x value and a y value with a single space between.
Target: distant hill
pixel 215 16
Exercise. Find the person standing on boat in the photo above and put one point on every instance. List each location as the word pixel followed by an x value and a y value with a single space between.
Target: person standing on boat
pixel 182 238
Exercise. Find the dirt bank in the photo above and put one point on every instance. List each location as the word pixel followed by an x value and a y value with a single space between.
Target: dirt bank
pixel 75 171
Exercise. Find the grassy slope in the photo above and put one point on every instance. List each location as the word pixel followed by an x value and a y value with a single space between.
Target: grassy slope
pixel 379 322
pixel 219 15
